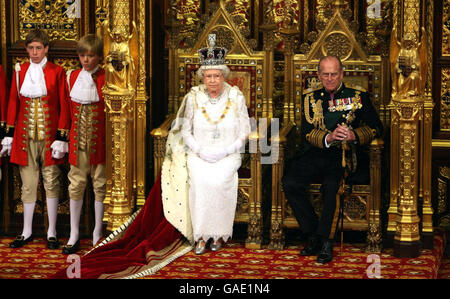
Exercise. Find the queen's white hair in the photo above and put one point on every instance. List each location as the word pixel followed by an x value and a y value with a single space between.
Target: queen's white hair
pixel 222 67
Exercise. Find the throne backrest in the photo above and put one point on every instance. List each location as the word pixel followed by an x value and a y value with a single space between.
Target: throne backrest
pixel 360 70
pixel 246 65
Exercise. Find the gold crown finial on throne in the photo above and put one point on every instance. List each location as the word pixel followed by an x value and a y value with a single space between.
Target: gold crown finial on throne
pixel 212 55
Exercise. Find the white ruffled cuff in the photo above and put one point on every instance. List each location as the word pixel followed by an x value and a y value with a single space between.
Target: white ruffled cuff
pixel 61 146
pixel 7 141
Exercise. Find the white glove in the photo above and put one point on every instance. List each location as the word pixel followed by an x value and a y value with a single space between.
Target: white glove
pixel 7 145
pixel 59 149
pixel 212 156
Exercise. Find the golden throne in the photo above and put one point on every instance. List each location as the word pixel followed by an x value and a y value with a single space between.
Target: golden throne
pixel 361 201
pixel 249 72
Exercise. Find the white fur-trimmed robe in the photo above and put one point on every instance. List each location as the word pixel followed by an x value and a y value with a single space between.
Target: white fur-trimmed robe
pixel 200 197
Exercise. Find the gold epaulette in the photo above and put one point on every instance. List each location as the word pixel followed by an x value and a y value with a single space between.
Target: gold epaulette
pixel 354 86
pixel 312 89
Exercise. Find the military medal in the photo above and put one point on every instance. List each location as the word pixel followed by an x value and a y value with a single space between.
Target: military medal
pixel 344 104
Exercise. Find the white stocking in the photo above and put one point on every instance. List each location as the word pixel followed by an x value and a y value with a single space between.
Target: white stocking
pixel 97 234
pixel 75 212
pixel 28 212
pixel 52 211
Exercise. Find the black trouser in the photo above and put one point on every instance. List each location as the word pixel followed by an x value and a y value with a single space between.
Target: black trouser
pixel 300 171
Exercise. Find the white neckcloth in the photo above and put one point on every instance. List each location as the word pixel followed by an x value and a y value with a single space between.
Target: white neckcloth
pixel 33 85
pixel 84 91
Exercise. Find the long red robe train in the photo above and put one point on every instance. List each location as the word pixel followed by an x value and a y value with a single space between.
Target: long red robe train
pixel 148 234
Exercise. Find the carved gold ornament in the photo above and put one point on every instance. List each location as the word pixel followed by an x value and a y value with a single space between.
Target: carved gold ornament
pixel 53 16
pixel 337 44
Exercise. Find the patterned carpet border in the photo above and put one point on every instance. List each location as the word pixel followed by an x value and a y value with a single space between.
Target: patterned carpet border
pixel 234 261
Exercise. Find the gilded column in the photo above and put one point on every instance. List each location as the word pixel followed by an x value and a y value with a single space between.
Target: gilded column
pixel 289 34
pixel 407 237
pixel 173 29
pixel 101 18
pixel 393 169
pixel 268 27
pixel 121 69
pixel 140 126
pixel 408 59
pixel 427 210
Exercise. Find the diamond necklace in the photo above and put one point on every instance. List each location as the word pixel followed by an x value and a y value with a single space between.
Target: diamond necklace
pixel 214 100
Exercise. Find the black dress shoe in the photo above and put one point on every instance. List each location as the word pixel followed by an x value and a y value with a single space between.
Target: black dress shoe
pixel 52 243
pixel 69 249
pixel 20 241
pixel 313 246
pixel 326 252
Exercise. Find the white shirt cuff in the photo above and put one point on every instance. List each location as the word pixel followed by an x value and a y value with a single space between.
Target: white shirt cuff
pixel 326 143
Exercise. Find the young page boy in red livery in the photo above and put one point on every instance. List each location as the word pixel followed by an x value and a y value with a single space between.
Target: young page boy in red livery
pixel 87 137
pixel 38 123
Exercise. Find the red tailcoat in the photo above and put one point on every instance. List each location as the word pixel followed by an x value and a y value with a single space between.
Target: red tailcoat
pixel 97 142
pixel 56 110
pixel 4 88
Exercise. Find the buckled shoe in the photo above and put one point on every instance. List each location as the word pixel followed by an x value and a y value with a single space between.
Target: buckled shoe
pixel 69 249
pixel 52 243
pixel 20 241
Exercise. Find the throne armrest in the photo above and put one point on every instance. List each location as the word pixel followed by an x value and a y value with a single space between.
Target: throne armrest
pixel 159 143
pixel 375 149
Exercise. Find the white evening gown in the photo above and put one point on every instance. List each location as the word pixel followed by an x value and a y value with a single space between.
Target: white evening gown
pixel 213 186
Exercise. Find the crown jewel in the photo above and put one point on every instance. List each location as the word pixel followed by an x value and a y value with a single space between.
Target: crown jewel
pixel 212 55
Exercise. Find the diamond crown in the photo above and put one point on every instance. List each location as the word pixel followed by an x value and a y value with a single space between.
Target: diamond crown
pixel 212 55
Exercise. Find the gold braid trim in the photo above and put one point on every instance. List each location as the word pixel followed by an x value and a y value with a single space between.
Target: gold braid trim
pixel 365 134
pixel 64 132
pixel 315 137
pixel 306 107
pixel 317 119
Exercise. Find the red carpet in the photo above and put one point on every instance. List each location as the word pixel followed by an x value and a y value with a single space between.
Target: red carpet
pixel 35 261
pixel 148 244
pixel 236 262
